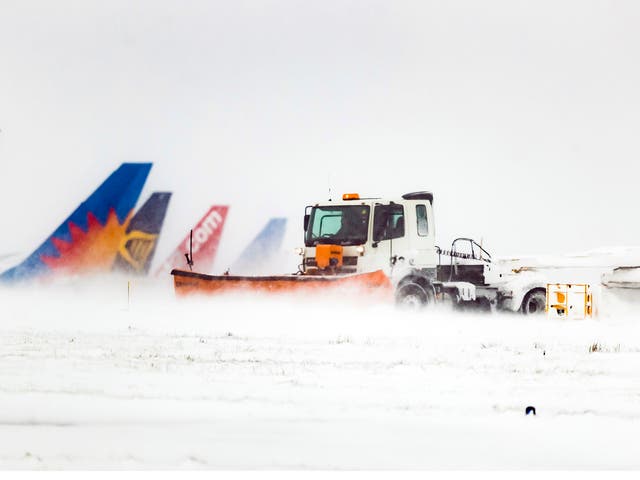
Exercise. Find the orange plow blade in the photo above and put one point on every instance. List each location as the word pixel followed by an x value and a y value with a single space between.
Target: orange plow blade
pixel 189 283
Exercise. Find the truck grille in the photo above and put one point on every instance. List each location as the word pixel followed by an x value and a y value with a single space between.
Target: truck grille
pixel 346 261
pixel 349 260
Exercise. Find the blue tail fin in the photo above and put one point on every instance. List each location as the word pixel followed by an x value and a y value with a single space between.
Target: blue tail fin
pixel 136 251
pixel 90 237
pixel 262 248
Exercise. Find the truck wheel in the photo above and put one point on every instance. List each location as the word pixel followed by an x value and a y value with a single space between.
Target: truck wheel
pixel 534 302
pixel 413 296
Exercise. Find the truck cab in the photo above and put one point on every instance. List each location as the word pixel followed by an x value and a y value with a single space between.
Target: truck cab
pixel 358 235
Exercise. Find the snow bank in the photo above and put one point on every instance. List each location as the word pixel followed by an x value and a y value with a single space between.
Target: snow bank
pixel 90 380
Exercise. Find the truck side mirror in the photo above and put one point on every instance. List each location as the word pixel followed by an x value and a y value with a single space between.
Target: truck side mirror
pixel 306 221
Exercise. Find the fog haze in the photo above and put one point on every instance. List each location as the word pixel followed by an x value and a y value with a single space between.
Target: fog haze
pixel 521 117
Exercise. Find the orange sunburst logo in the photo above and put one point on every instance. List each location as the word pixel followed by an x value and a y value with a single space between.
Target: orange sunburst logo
pixel 93 250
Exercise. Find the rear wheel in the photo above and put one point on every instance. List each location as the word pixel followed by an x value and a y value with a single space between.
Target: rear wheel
pixel 413 296
pixel 534 302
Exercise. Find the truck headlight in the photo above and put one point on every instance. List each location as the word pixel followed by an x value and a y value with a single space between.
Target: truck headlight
pixel 360 249
pixel 299 251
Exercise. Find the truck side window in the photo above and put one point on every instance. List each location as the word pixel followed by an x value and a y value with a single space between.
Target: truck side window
pixel 423 225
pixel 388 222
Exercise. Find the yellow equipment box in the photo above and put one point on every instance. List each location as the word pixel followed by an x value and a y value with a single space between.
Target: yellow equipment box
pixel 569 301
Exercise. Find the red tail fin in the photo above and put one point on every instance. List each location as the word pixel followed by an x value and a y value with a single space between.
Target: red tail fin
pixel 206 237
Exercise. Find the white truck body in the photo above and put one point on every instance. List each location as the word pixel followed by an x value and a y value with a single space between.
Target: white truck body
pixel 397 236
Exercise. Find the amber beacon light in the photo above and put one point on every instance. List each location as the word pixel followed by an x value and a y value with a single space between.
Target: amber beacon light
pixel 350 196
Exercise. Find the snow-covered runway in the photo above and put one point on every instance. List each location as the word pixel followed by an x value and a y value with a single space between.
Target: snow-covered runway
pixel 86 382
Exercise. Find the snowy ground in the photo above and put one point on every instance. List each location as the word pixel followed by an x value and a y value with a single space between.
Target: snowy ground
pixel 241 383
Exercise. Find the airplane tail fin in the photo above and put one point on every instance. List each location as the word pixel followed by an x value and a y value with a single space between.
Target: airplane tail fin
pixel 90 237
pixel 138 248
pixel 262 248
pixel 206 237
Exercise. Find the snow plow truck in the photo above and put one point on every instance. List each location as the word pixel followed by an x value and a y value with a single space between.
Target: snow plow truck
pixel 386 247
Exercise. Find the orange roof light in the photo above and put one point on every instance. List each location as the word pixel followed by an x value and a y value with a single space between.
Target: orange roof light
pixel 350 196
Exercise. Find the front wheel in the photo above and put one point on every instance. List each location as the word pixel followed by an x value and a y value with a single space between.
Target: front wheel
pixel 414 296
pixel 535 302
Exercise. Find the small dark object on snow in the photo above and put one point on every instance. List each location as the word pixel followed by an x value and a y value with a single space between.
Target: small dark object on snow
pixel 529 410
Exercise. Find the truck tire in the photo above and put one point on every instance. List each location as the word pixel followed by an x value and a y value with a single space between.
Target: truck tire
pixel 534 302
pixel 413 296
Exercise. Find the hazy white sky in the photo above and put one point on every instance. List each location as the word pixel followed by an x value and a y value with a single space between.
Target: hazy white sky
pixel 521 117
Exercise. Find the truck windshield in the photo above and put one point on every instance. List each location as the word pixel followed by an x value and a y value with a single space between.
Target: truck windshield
pixel 338 225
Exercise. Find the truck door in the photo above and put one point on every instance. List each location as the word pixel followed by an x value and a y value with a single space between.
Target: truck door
pixel 421 235
pixel 389 236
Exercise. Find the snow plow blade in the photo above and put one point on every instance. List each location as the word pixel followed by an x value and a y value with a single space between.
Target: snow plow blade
pixel 189 283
